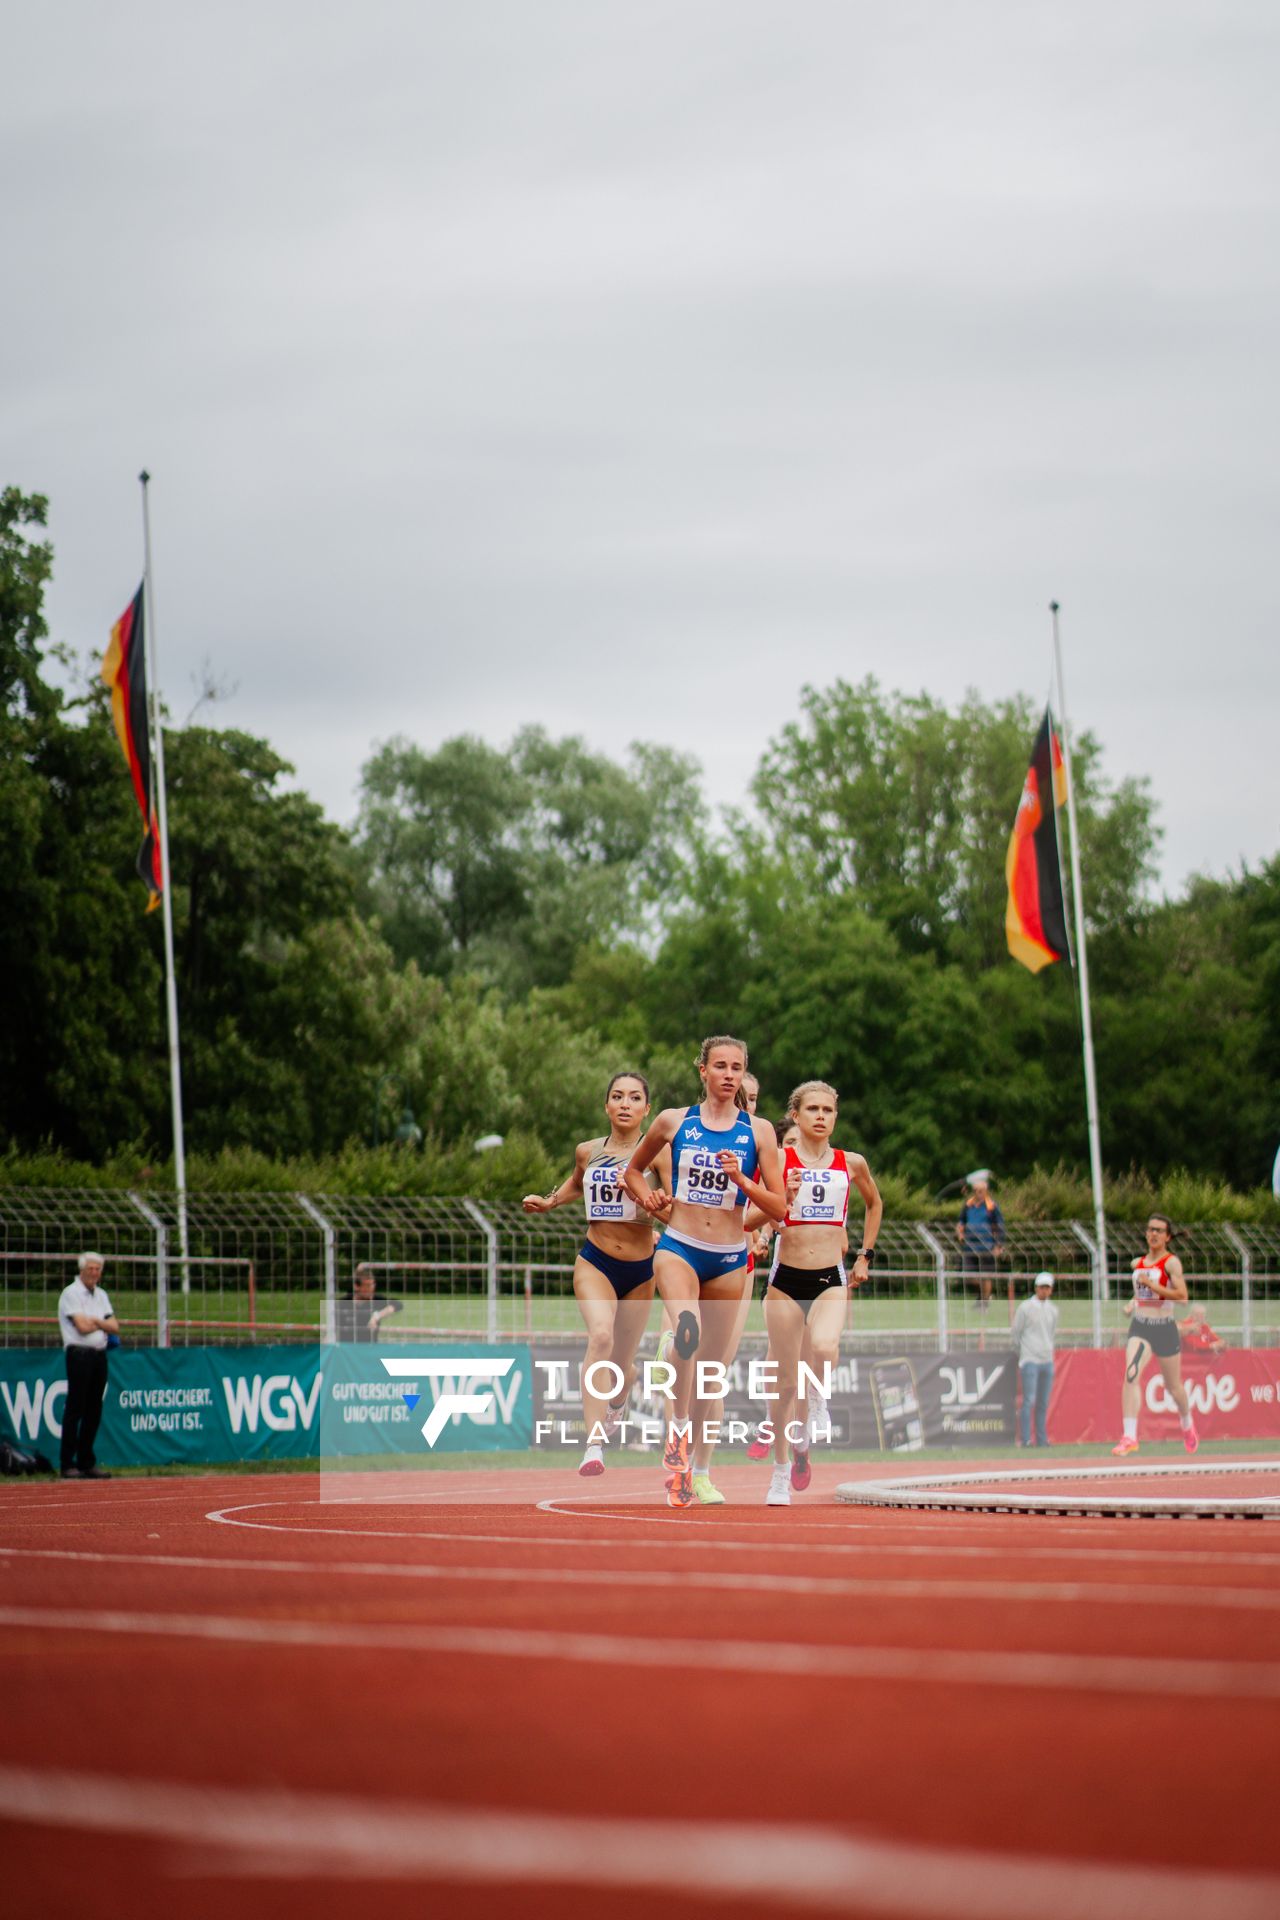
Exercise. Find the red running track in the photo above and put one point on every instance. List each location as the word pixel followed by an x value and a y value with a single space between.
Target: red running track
pixel 523 1694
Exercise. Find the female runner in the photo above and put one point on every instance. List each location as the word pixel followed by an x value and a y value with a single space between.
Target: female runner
pixel 808 1290
pixel 720 1159
pixel 1158 1290
pixel 615 1262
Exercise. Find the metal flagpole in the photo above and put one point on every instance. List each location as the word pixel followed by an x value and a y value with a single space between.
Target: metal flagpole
pixel 1082 959
pixel 166 898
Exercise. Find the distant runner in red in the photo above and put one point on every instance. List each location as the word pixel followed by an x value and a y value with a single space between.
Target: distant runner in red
pixel 1159 1289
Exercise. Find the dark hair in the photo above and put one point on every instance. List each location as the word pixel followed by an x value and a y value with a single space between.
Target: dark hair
pixel 1167 1221
pixel 628 1073
pixel 783 1127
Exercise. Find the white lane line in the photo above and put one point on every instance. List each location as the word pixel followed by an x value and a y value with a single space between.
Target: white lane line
pixel 1071 1593
pixel 678 1534
pixel 277 1833
pixel 1075 1673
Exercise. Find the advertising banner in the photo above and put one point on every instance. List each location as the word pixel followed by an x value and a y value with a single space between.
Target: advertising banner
pixel 895 1403
pixel 416 1400
pixel 203 1405
pixel 1234 1395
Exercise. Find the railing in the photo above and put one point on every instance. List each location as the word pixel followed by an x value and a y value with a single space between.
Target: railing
pixel 258 1268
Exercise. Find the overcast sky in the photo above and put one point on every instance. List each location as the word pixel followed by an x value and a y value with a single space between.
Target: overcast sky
pixel 621 367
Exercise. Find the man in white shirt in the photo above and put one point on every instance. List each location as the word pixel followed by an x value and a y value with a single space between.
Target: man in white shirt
pixel 1035 1329
pixel 85 1319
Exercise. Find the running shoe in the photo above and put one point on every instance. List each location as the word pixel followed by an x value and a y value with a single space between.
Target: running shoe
pixel 680 1492
pixel 801 1469
pixel 704 1493
pixel 614 1419
pixel 675 1457
pixel 592 1462
pixel 665 1345
pixel 1126 1446
pixel 818 1415
pixel 759 1449
pixel 779 1494
pixel 1191 1440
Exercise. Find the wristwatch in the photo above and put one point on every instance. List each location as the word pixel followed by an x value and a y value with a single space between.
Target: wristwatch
pixel 866 1253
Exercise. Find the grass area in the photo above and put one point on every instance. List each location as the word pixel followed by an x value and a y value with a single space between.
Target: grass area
pixel 298 1314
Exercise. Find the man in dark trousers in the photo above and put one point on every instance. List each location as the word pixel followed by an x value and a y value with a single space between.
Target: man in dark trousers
pixel 85 1320
pixel 362 1309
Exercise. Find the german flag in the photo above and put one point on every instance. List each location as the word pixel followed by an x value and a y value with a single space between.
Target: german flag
pixel 124 670
pixel 1035 921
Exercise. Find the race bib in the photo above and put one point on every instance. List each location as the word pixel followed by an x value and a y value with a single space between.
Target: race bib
pixel 1145 1296
pixel 605 1196
pixel 703 1182
pixel 823 1197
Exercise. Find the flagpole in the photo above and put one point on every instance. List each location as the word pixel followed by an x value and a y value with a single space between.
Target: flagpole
pixel 1082 953
pixel 166 897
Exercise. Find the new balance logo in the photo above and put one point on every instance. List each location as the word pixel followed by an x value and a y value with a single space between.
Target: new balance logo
pixel 448 1399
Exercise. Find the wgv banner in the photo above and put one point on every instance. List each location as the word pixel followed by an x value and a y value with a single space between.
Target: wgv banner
pixel 206 1405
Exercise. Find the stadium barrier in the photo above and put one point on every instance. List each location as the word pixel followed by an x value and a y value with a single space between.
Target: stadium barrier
pixel 264 1269
pixel 204 1406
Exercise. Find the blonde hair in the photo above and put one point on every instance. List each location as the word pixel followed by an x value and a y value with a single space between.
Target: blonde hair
pixel 810 1086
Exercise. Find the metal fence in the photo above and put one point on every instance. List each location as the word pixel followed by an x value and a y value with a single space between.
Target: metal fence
pixel 274 1267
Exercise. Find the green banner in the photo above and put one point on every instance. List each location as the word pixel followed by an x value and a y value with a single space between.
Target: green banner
pixel 204 1405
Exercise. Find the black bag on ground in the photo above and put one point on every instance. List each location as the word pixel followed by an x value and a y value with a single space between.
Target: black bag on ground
pixel 17 1460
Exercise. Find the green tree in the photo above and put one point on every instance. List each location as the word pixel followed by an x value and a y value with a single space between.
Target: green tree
pixel 507 864
pixel 908 807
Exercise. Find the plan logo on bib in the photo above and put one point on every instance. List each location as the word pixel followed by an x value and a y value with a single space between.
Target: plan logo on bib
pixel 456 1392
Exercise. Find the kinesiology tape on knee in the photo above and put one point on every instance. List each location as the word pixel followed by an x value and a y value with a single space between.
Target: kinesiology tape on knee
pixel 1134 1368
pixel 688 1334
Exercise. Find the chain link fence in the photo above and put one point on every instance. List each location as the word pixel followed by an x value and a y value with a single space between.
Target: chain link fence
pixel 276 1268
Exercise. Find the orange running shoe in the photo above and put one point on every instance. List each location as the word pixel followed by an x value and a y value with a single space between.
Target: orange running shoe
pixel 680 1492
pixel 675 1456
pixel 1191 1440
pixel 1126 1446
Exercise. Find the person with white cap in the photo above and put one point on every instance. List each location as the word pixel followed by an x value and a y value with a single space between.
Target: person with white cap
pixel 980 1231
pixel 1035 1330
pixel 86 1320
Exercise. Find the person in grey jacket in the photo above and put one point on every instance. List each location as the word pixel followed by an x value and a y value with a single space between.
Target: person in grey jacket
pixel 1035 1329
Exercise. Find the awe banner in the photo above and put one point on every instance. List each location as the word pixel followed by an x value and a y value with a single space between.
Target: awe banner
pixel 1234 1395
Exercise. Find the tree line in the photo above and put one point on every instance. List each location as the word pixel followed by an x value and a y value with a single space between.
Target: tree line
pixel 502 928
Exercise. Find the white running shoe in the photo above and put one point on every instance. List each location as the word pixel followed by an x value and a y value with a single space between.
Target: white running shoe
pixel 818 1416
pixel 614 1419
pixel 779 1494
pixel 592 1463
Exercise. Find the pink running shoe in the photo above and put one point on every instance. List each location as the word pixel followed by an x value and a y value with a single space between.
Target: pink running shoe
pixel 592 1463
pixel 1126 1446
pixel 801 1469
pixel 1191 1440
pixel 759 1449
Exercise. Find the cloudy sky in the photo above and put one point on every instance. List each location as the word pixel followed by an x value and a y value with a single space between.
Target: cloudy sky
pixel 624 366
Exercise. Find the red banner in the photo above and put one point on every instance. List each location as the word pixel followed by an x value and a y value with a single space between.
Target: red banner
pixel 1234 1394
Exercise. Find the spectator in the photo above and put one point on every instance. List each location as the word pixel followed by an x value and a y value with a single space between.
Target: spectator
pixel 980 1231
pixel 362 1309
pixel 1035 1329
pixel 1197 1335
pixel 86 1321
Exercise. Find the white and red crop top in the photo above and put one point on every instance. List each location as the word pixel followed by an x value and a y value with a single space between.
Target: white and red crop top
pixel 823 1199
pixel 1152 1306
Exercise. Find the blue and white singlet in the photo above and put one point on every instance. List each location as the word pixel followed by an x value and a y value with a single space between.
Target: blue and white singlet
pixel 699 1178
